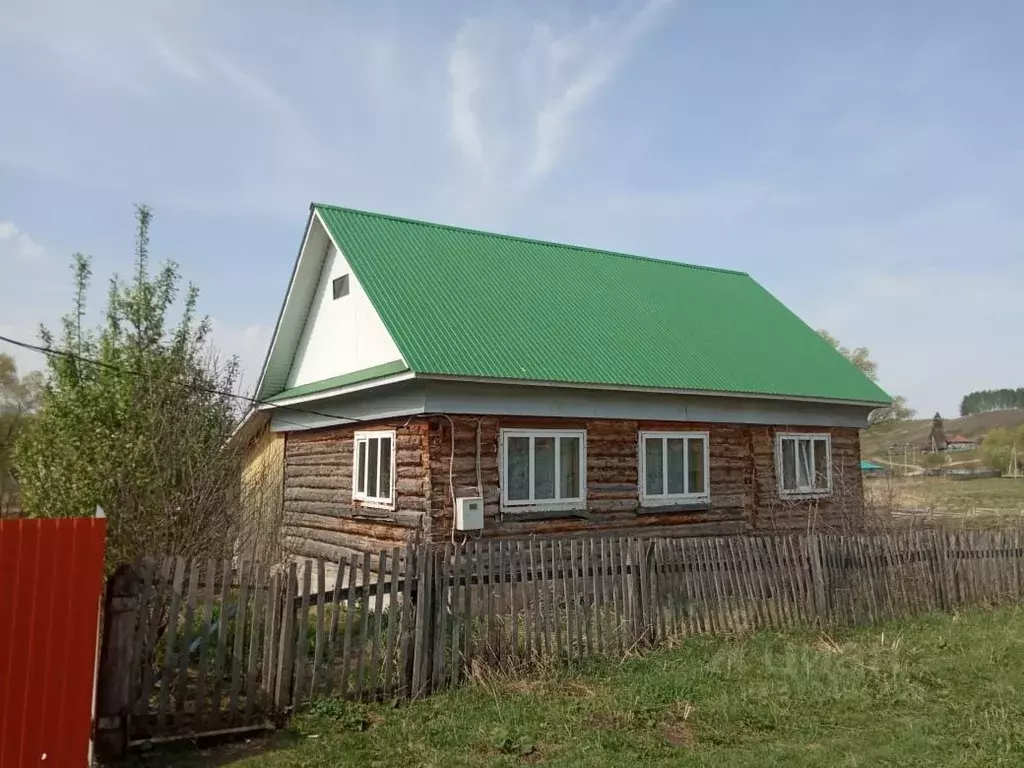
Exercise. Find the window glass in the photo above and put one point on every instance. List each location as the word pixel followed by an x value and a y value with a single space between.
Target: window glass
pixel 371 467
pixel 697 483
pixel 675 479
pixel 821 460
pixel 385 468
pixel 543 467
pixel 518 466
pixel 789 465
pixel 361 466
pixel 569 467
pixel 654 467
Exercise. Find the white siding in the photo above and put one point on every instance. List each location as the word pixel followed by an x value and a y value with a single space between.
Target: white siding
pixel 341 335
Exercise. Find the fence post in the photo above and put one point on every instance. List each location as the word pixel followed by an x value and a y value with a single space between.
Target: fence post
pixel 282 696
pixel 120 612
pixel 818 576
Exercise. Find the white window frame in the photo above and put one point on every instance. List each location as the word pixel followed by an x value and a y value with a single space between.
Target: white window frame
pixel 674 498
pixel 556 504
pixel 373 501
pixel 803 492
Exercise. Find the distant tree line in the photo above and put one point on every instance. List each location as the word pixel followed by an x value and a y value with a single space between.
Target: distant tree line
pixel 986 400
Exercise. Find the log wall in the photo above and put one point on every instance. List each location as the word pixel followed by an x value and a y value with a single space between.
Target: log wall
pixel 321 519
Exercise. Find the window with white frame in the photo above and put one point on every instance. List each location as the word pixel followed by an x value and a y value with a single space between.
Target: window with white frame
pixel 804 464
pixel 673 467
pixel 543 468
pixel 374 468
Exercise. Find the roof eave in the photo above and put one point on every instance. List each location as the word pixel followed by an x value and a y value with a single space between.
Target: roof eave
pixel 654 390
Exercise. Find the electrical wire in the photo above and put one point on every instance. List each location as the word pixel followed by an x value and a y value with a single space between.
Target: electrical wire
pixel 50 352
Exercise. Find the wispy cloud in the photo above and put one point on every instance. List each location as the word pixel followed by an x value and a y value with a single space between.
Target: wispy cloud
pixel 517 89
pixel 17 245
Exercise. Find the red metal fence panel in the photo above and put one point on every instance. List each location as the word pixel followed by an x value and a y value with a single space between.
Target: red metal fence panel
pixel 51 583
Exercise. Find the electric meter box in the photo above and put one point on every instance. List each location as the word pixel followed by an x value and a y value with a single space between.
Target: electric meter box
pixel 469 514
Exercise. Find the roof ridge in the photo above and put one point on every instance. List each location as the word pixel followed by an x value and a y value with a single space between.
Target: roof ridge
pixel 531 240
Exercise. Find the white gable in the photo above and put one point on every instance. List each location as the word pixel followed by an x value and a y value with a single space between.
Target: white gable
pixel 341 335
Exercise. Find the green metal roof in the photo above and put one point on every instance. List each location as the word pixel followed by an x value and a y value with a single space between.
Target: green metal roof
pixel 473 304
pixel 355 377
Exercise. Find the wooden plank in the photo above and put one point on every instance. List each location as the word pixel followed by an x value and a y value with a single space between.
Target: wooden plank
pixel 712 616
pixel 512 652
pixel 540 640
pixel 256 623
pixel 577 611
pixel 489 611
pixel 223 628
pixel 619 582
pixel 270 636
pixel 687 587
pixel 170 636
pixel 468 622
pixel 520 587
pixel 503 599
pixel 394 620
pixel 180 689
pixel 383 566
pixel 421 639
pixel 458 574
pixel 407 628
pixel 286 648
pixel 607 592
pixel 350 620
pixel 364 626
pixel 586 597
pixel 597 608
pixel 331 646
pixel 552 617
pixel 559 554
pixel 238 650
pixel 440 606
pixel 671 591
pixel 209 591
pixel 148 569
pixel 159 598
pixel 299 691
pixel 317 680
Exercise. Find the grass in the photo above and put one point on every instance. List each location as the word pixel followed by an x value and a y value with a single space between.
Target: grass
pixel 939 690
pixel 954 497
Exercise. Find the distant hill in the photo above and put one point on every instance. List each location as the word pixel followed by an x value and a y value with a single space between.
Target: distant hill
pixel 875 441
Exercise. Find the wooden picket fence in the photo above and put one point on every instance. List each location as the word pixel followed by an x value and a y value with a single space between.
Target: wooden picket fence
pixel 217 646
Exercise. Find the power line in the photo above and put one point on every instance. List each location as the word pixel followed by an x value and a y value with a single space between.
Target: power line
pixel 50 352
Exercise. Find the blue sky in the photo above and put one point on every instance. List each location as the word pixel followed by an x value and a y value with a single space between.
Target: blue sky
pixel 864 161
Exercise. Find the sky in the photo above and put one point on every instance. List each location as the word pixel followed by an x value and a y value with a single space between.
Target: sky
pixel 863 161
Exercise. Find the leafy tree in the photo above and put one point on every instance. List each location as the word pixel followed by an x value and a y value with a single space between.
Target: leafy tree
pixel 143 430
pixel 986 400
pixel 997 448
pixel 18 398
pixel 899 410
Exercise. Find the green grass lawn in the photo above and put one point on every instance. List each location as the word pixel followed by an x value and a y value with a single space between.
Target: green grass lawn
pixel 935 691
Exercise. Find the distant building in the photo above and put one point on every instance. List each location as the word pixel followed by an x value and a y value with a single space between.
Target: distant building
pixel 960 443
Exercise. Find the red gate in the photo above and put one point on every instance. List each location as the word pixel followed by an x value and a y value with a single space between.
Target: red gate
pixel 51 582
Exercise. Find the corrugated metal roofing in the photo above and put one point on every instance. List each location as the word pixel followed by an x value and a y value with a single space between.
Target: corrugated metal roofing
pixel 466 303
pixel 345 379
